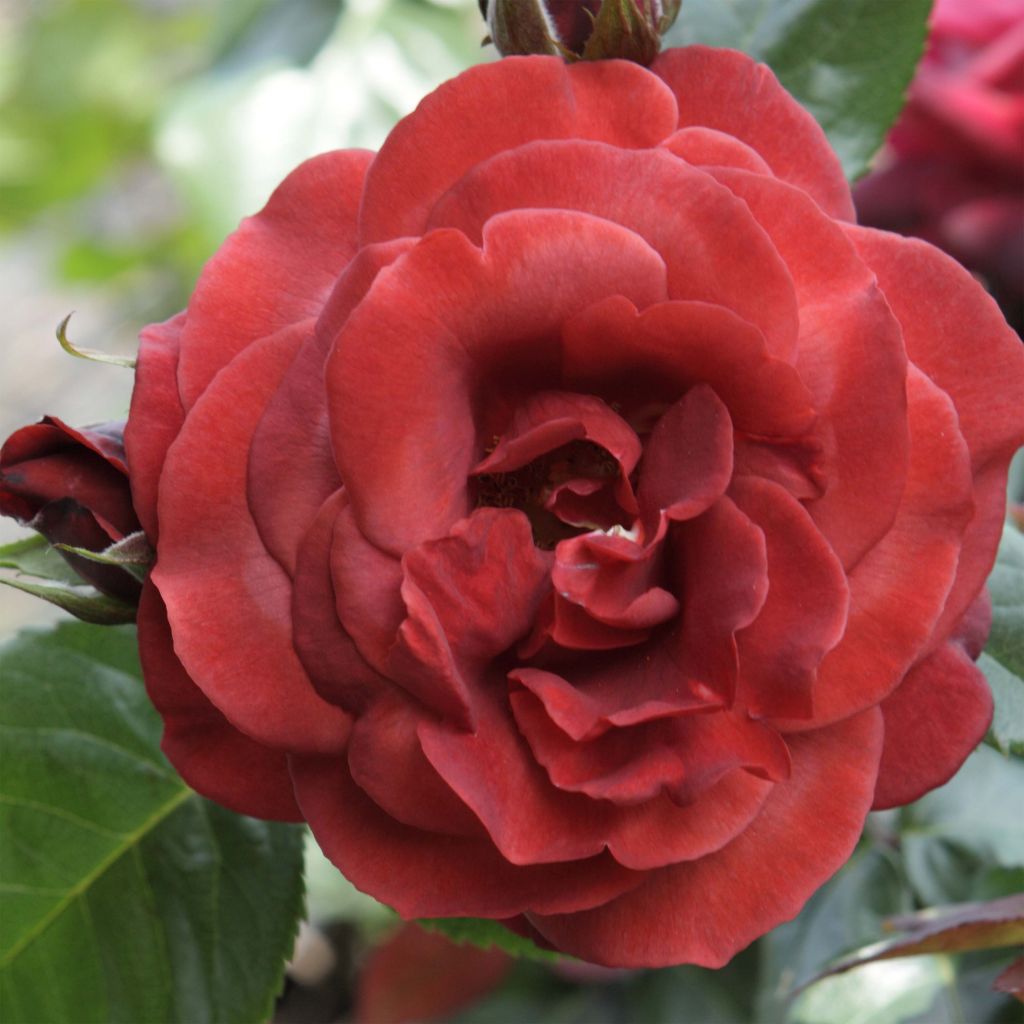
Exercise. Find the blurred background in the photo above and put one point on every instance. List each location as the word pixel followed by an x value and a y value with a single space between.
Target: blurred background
pixel 134 134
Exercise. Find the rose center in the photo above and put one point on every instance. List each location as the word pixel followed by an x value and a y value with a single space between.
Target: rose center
pixel 564 492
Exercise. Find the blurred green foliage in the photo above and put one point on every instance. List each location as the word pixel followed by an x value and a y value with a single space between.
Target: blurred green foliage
pixel 136 133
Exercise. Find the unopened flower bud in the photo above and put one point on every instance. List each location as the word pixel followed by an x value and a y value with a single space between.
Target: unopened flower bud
pixel 580 29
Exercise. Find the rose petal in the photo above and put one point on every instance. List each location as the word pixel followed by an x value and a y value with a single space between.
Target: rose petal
pixel 387 763
pixel 328 654
pixel 687 461
pixel 731 93
pixel 655 356
pixel 425 874
pixel 228 601
pixel 707 147
pixel 899 589
pixel 713 249
pixel 155 417
pixel 276 269
pixel 938 715
pixel 291 464
pixel 987 399
pixel 502 106
pixel 851 358
pixel 708 910
pixel 469 596
pixel 209 753
pixel 805 613
pixel 680 756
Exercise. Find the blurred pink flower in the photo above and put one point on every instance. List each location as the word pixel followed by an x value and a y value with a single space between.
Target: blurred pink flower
pixel 953 170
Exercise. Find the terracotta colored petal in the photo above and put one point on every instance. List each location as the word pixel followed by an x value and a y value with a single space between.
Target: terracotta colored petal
pixel 222 589
pixel 155 417
pixel 614 579
pixel 731 93
pixel 655 356
pixel 938 715
pixel 682 756
pixel 714 250
pixel 291 465
pixel 328 654
pixel 456 320
pixel 387 763
pixel 988 405
pixel 706 147
pixel 722 565
pixel 367 590
pixel 805 613
pixel 532 822
pixel 469 596
pixel 549 419
pixel 501 106
pixel 899 589
pixel 623 689
pixel 710 909
pixel 276 269
pixel 687 461
pixel 425 874
pixel 851 358
pixel 209 753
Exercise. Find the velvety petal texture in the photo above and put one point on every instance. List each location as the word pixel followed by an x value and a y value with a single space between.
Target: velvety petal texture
pixel 567 512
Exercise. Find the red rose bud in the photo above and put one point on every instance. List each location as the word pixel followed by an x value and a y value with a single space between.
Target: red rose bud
pixel 587 29
pixel 72 487
pixel 587 558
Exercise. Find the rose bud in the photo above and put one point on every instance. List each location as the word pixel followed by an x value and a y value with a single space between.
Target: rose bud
pixel 72 487
pixel 588 558
pixel 588 29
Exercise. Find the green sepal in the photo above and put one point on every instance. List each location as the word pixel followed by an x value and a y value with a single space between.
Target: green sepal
pixel 132 553
pixel 81 600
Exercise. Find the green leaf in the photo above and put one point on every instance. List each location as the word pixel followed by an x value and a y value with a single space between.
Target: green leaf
pixel 954 838
pixel 126 897
pixel 485 934
pixel 34 556
pixel 1006 585
pixel 845 913
pixel 849 62
pixel 990 924
pixel 1007 732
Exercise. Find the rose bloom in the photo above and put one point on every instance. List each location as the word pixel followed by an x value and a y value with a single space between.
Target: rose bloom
pixel 953 171
pixel 570 514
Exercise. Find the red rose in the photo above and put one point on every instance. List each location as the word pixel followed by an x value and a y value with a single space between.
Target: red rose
pixel 570 513
pixel 953 171
pixel 72 487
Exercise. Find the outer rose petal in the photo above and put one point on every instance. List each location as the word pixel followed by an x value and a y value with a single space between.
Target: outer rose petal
pixel 939 714
pixel 710 909
pixel 228 601
pixel 851 357
pixel 276 269
pixel 425 874
pixel 291 464
pixel 728 91
pixel 209 753
pixel 899 589
pixel 989 399
pixel 155 417
pixel 501 106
